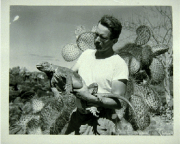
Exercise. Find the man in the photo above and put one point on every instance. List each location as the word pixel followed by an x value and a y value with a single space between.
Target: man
pixel 106 69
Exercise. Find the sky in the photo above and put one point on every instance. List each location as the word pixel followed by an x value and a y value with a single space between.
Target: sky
pixel 38 33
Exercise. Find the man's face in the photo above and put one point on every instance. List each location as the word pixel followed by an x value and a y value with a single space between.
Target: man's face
pixel 102 38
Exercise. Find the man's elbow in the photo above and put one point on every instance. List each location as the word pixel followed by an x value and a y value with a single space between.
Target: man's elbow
pixel 120 100
pixel 118 104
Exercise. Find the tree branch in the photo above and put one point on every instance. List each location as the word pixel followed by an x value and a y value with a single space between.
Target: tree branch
pixel 152 33
pixel 166 34
pixel 169 39
pixel 164 14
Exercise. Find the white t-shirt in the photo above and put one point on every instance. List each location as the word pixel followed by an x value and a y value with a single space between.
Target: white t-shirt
pixel 101 71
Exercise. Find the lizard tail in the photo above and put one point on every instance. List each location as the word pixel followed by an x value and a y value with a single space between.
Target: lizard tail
pixel 124 99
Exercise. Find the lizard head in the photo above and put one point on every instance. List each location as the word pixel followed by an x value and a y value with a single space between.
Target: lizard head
pixel 44 67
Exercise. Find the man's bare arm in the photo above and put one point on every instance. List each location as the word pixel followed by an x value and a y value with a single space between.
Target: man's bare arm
pixel 75 67
pixel 113 99
pixel 118 89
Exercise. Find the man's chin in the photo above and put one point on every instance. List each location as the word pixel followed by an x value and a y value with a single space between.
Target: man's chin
pixel 98 48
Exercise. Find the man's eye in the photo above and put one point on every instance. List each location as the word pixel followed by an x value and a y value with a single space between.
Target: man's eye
pixel 96 34
pixel 102 38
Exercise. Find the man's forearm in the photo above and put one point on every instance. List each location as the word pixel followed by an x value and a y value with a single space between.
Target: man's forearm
pixel 106 102
pixel 87 97
pixel 112 103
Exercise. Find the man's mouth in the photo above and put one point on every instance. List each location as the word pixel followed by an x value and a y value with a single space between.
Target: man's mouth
pixel 97 45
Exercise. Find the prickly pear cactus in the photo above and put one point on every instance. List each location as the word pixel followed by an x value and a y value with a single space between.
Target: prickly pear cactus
pixel 146 56
pixel 132 49
pixel 133 64
pixel 86 41
pixel 148 95
pixel 20 127
pixel 47 116
pixel 131 53
pixel 159 49
pixel 157 71
pixel 143 58
pixel 145 100
pixel 70 52
pixel 142 118
pixel 33 126
pixel 143 35
pixel 37 105
pixel 79 30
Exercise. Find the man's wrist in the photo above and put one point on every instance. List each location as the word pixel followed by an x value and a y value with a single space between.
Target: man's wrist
pixel 93 99
pixel 96 100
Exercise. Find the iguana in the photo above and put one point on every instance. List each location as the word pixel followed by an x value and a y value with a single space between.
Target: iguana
pixel 69 80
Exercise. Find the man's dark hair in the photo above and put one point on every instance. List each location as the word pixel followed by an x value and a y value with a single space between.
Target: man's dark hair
pixel 112 24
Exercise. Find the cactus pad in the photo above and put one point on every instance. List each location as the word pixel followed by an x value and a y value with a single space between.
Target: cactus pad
pixel 142 118
pixel 148 95
pixel 157 71
pixel 134 66
pixel 33 126
pixel 131 61
pixel 70 52
pixel 146 56
pixel 37 105
pixel 21 126
pixel 86 41
pixel 79 30
pixel 159 49
pixel 143 35
pixel 132 49
pixel 145 100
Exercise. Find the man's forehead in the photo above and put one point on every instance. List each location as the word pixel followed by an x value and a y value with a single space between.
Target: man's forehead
pixel 102 30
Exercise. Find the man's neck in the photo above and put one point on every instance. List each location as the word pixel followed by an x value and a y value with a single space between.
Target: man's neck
pixel 104 54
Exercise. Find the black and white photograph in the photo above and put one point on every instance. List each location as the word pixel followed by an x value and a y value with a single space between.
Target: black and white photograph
pixel 91 70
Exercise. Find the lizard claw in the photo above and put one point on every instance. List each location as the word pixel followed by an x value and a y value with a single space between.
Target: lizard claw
pixel 93 110
pixel 56 75
pixel 54 81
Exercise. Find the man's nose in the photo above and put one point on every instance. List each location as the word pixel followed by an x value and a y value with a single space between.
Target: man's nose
pixel 97 39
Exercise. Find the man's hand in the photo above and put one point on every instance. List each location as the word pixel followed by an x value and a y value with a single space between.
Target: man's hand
pixel 84 93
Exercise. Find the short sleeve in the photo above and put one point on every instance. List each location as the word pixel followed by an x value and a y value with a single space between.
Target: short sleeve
pixel 83 56
pixel 121 70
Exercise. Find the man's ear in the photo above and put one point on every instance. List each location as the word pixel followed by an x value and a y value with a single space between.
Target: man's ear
pixel 115 40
